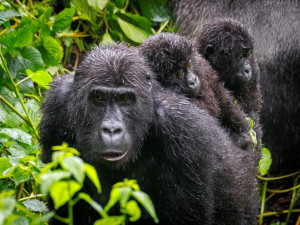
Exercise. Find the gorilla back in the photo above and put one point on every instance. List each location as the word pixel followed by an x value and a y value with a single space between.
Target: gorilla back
pixel 127 126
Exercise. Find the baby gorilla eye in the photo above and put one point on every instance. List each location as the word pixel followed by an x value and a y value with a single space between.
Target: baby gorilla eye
pixel 125 98
pixel 190 65
pixel 240 57
pixel 99 98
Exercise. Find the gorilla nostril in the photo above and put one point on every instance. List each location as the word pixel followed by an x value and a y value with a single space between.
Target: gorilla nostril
pixel 117 131
pixel 246 71
pixel 106 130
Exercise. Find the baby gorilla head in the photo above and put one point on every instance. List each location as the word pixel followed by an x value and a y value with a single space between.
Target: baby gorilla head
pixel 228 46
pixel 170 58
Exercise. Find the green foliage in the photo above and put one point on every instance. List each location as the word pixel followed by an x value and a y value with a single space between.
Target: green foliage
pixel 265 161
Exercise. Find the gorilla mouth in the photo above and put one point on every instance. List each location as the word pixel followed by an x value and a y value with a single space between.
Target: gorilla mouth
pixel 113 156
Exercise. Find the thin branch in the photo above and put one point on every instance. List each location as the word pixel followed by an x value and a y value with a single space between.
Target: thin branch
pixel 263 198
pixel 32 197
pixel 284 191
pixel 280 212
pixel 277 178
pixel 163 27
pixel 21 190
pixel 292 202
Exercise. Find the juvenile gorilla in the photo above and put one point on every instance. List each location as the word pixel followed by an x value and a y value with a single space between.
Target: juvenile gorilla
pixel 180 68
pixel 127 126
pixel 277 49
pixel 228 46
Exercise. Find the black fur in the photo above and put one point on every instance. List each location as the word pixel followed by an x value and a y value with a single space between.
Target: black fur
pixel 228 46
pixel 179 154
pixel 276 31
pixel 179 67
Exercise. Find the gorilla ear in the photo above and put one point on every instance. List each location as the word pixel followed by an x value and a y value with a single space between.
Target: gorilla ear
pixel 209 51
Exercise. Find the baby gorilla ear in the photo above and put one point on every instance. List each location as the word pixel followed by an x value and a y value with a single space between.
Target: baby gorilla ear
pixel 209 51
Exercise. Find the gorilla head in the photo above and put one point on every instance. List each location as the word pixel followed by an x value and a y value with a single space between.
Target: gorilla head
pixel 172 59
pixel 108 101
pixel 228 46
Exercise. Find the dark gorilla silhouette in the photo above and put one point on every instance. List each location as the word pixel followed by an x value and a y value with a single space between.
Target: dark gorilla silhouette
pixel 276 31
pixel 179 67
pixel 127 126
pixel 228 46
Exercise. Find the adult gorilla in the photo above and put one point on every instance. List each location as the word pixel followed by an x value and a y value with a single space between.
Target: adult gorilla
pixel 276 30
pixel 127 126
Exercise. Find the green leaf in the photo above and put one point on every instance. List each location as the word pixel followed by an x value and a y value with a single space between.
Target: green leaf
pixel 97 4
pixel 41 77
pixel 154 10
pixel 146 202
pixel 112 220
pixel 120 3
pixel 31 58
pixel 114 198
pixel 133 210
pixel 140 21
pixel 75 166
pixel 47 179
pixel 6 15
pixel 64 19
pixel 40 220
pixel 133 32
pixel 265 161
pixel 51 50
pixel 4 165
pixel 21 175
pixel 30 24
pixel 17 134
pixel 62 191
pixel 35 205
pixel 84 9
pixel 91 202
pixel 80 44
pixel 106 38
pixel 92 174
pixel 124 195
pixel 45 17
pixel 18 38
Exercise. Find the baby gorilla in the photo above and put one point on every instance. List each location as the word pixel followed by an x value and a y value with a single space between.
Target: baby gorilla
pixel 228 46
pixel 178 66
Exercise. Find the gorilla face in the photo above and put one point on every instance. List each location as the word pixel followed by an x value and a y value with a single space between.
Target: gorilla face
pixel 110 114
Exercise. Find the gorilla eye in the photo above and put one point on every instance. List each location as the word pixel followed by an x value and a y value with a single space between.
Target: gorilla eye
pixel 189 65
pixel 125 98
pixel 180 74
pixel 240 57
pixel 99 98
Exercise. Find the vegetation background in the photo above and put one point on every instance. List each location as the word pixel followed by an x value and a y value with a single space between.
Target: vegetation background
pixel 43 39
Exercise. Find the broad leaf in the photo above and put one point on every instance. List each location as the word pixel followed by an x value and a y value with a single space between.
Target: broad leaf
pixel 154 10
pixel 106 38
pixel 133 211
pixel 62 191
pixel 17 134
pixel 31 58
pixel 91 172
pixel 4 165
pixel 133 32
pixel 97 4
pixel 21 175
pixel 64 19
pixel 6 15
pixel 112 220
pixel 18 38
pixel 47 179
pixel 41 77
pixel 265 161
pixel 75 166
pixel 35 205
pixel 51 50
pixel 146 202
pixel 84 9
pixel 30 24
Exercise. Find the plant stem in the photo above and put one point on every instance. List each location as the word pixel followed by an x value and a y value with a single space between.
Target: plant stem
pixel 292 202
pixel 163 27
pixel 281 212
pixel 277 178
pixel 21 190
pixel 32 197
pixel 18 94
pixel 61 219
pixel 14 109
pixel 283 191
pixel 262 208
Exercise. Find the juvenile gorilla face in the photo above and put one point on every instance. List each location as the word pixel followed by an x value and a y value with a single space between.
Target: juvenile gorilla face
pixel 170 57
pixel 228 46
pixel 112 105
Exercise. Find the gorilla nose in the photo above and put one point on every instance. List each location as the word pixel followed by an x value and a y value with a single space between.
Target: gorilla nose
pixel 112 131
pixel 191 82
pixel 248 72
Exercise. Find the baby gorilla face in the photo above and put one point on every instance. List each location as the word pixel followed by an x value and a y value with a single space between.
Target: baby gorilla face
pixel 185 80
